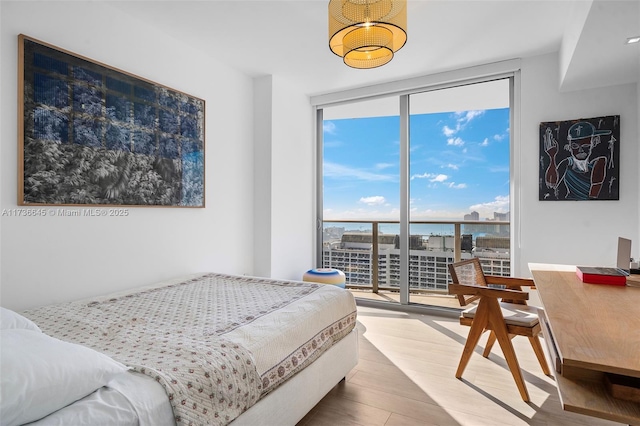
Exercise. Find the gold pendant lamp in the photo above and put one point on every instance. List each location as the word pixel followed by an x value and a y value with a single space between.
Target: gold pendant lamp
pixel 366 33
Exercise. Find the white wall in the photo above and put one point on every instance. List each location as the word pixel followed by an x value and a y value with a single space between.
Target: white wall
pixel 49 259
pixel 575 232
pixel 293 183
pixel 284 180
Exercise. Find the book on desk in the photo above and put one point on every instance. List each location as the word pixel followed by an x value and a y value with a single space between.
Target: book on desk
pixel 612 275
pixel 601 275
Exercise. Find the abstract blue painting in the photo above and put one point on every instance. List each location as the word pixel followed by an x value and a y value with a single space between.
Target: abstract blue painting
pixel 94 135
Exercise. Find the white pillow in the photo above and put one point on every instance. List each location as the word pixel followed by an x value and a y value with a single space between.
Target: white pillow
pixel 40 374
pixel 10 319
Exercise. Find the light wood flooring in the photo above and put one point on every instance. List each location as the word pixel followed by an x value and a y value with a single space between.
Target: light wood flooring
pixel 405 376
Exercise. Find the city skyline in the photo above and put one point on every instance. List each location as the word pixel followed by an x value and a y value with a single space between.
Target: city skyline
pixel 449 151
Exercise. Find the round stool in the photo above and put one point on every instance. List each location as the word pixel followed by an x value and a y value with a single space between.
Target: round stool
pixel 325 276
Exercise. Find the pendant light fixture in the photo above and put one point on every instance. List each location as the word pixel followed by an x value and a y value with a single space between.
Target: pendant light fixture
pixel 366 33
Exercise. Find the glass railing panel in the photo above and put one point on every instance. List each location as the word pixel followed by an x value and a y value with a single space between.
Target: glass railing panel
pixel 348 246
pixel 491 243
pixel 429 244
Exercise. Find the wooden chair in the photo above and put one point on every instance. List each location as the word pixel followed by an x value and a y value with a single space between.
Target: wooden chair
pixel 505 319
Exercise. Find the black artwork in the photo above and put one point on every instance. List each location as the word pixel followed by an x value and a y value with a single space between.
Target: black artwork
pixel 580 159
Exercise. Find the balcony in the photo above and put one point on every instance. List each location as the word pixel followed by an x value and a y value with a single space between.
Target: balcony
pixel 368 253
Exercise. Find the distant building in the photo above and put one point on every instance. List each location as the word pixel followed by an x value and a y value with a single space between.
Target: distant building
pixel 500 216
pixel 493 243
pixel 440 242
pixel 428 261
pixel 472 216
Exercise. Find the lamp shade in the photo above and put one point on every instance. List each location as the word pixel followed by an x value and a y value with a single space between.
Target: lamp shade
pixel 367 33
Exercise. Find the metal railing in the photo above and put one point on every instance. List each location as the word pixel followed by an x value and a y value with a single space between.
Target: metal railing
pixel 434 272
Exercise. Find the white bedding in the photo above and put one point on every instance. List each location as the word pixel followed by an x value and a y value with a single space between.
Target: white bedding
pixel 281 339
pixel 130 399
pixel 137 400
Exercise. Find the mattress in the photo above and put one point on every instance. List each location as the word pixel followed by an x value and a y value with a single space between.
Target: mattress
pixel 216 343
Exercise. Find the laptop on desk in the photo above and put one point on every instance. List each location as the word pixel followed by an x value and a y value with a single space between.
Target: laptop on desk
pixel 624 256
pixel 623 262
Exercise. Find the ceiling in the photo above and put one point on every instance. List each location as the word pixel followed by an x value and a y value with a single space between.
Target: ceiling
pixel 289 39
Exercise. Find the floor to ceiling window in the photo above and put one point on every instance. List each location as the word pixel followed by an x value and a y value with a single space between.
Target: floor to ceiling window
pixel 456 192
pixel 361 197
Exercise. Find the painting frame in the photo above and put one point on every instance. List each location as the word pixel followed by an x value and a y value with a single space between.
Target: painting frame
pixel 93 135
pixel 580 159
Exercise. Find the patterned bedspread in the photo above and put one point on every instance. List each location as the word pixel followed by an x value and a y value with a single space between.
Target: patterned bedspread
pixel 195 337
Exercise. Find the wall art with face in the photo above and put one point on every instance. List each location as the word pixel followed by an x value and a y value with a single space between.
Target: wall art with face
pixel 580 159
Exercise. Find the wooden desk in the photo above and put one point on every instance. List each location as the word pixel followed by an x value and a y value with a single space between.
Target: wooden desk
pixel 590 330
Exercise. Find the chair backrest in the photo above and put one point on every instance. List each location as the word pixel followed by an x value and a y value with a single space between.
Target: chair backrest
pixel 467 272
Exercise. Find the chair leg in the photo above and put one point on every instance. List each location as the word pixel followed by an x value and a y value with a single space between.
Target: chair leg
pixel 477 328
pixel 502 335
pixel 490 342
pixel 537 348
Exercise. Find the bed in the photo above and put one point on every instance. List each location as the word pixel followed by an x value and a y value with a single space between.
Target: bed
pixel 204 349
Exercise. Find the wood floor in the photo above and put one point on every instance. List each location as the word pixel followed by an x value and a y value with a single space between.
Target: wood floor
pixel 405 376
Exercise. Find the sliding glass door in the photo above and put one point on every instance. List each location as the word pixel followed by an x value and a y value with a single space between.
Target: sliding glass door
pixel 361 196
pixel 440 159
pixel 459 184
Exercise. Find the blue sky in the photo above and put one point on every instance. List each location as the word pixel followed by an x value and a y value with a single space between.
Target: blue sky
pixel 459 163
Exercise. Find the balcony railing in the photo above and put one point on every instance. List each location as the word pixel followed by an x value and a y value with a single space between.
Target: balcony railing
pixel 371 258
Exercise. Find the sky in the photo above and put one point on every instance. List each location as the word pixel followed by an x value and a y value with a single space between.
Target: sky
pixel 459 163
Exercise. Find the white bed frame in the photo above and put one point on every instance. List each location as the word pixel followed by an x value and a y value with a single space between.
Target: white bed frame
pixel 292 400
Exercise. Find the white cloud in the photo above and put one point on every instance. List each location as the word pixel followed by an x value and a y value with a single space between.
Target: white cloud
pixel 499 137
pixel 376 200
pixel 455 141
pixel 462 119
pixel 451 166
pixel 329 127
pixel 338 171
pixel 454 185
pixel 431 176
pixel 485 142
pixel 467 116
pixel 422 176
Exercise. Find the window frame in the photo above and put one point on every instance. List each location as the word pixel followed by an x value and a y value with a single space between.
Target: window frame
pixel 403 89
